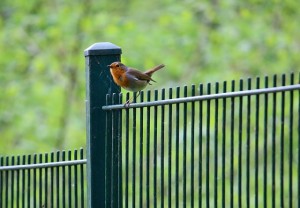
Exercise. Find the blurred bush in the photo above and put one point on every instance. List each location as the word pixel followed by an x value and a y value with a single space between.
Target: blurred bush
pixel 42 73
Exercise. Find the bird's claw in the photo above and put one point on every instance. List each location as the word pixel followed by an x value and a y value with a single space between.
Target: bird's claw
pixel 126 105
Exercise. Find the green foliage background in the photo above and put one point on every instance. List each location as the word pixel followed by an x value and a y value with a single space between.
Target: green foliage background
pixel 42 75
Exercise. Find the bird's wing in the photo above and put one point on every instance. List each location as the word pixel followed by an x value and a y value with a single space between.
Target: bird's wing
pixel 139 75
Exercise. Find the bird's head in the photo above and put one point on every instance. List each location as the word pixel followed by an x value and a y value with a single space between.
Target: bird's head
pixel 117 66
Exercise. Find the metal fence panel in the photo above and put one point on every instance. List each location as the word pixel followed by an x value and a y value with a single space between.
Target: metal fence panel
pixel 229 144
pixel 236 145
pixel 54 179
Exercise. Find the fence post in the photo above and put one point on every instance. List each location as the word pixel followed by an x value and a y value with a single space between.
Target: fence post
pixel 98 83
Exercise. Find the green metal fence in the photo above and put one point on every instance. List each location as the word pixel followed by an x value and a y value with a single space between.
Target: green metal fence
pixel 54 179
pixel 229 144
pixel 233 144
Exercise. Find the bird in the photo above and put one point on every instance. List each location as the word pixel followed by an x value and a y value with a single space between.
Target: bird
pixel 132 79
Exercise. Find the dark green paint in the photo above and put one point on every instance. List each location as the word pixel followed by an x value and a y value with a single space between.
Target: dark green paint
pixel 99 83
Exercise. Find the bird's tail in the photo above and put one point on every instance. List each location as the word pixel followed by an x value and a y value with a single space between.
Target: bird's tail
pixel 151 71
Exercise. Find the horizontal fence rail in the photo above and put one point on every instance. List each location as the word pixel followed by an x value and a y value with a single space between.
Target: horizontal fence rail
pixel 43 165
pixel 54 179
pixel 234 144
pixel 204 97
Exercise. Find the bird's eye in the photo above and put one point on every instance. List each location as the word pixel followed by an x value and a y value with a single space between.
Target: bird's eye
pixel 117 65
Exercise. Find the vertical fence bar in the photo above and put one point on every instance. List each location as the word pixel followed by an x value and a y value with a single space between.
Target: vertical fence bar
pixel 266 116
pixel 57 179
pixel 63 158
pixel 46 188
pixel 223 145
pixel 52 180
pixel 170 150
pixel 109 154
pixel 23 181
pixel 184 145
pixel 162 149
pixel 200 184
pixel 12 183
pixel 120 163
pixel 114 153
pixel 133 152
pixel 40 182
pixel 274 142
pixel 282 144
pixel 240 133
pixel 256 143
pixel 70 190
pixel 148 151
pixel 141 149
pixel 248 147
pixel 75 180
pixel 34 182
pixel 6 183
pixel 1 182
pixel 216 132
pixel 208 148
pixel 177 148
pixel 82 186
pixel 28 188
pixel 98 84
pixel 291 129
pixel 155 153
pixel 192 147
pixel 232 106
pixel 18 184
pixel 127 155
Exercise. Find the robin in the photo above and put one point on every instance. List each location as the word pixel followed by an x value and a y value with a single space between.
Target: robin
pixel 131 79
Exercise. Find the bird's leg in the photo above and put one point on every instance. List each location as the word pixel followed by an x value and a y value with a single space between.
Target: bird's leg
pixel 131 99
pixel 138 94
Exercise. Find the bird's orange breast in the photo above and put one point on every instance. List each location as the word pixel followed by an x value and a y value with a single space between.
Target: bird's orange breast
pixel 119 77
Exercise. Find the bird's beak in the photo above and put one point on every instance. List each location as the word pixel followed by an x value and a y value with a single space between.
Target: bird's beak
pixel 108 66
